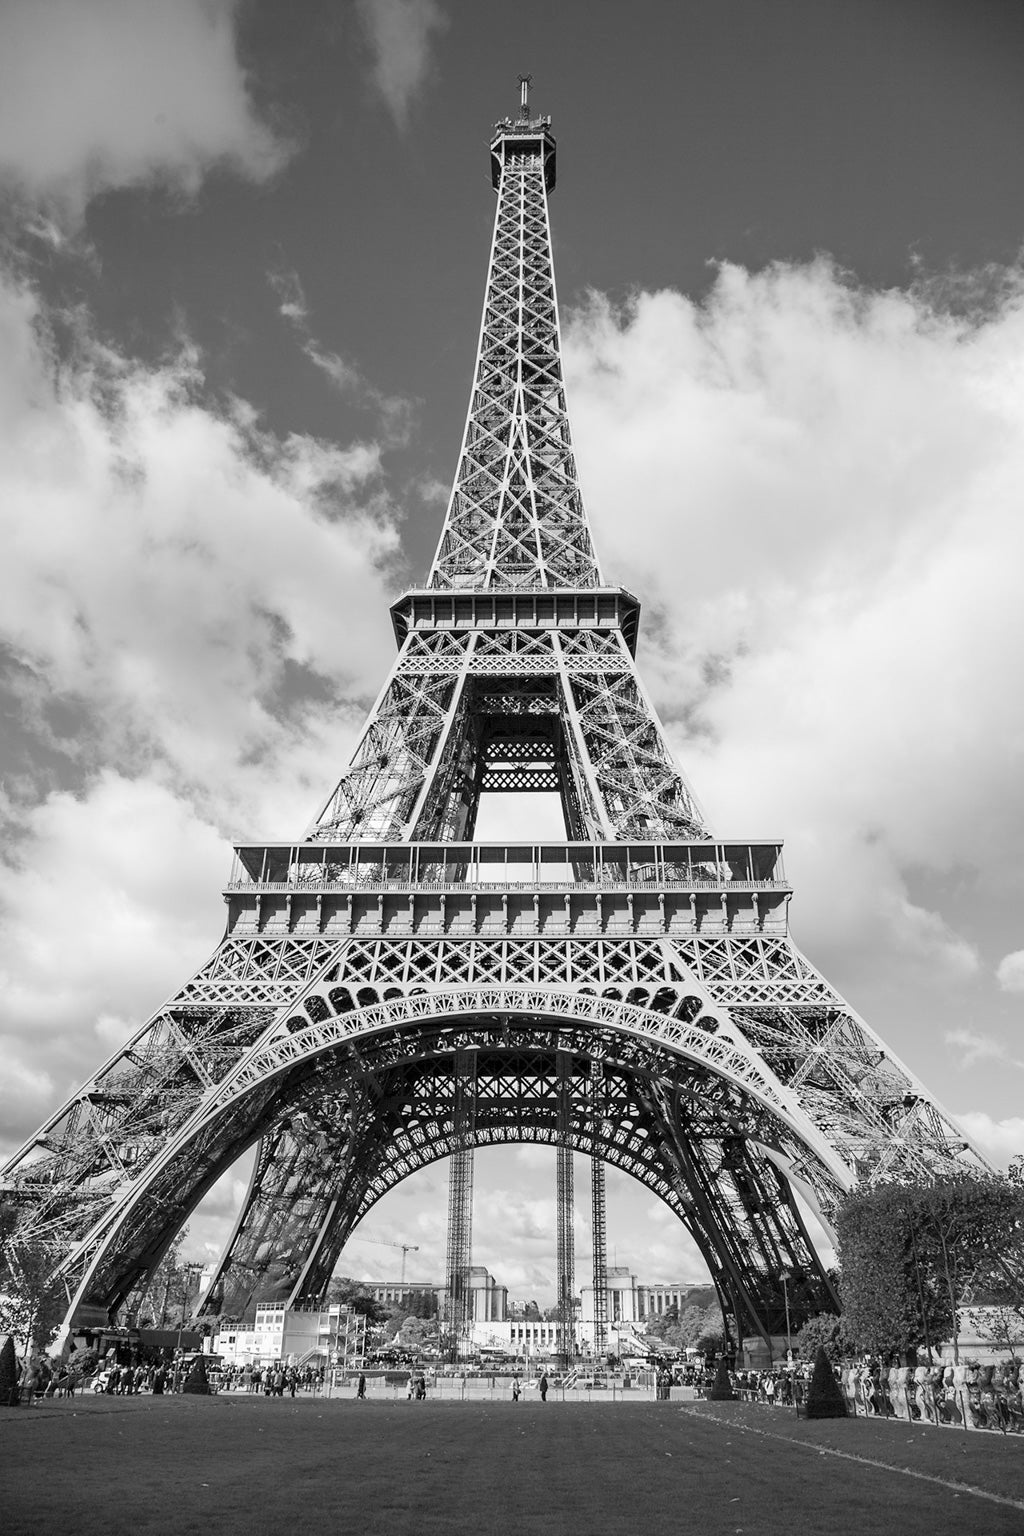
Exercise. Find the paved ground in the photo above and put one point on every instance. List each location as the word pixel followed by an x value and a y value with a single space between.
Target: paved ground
pixel 237 1463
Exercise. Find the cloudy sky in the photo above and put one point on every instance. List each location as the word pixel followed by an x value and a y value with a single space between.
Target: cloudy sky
pixel 242 253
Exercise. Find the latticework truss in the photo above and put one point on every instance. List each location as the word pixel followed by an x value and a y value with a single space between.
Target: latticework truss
pixel 598 1215
pixel 516 516
pixel 565 1200
pixel 390 992
pixel 458 1299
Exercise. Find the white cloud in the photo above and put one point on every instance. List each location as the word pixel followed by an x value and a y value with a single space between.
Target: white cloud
pixel 514 1226
pixel 108 902
pixel 1010 972
pixel 974 1046
pixel 999 1139
pixel 181 588
pixel 26 1093
pixel 400 33
pixel 816 488
pixel 97 94
pixel 173 569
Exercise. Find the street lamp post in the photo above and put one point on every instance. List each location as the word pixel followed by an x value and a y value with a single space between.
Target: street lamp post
pixel 786 1276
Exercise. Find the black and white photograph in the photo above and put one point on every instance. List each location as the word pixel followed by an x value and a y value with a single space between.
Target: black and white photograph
pixel 511 746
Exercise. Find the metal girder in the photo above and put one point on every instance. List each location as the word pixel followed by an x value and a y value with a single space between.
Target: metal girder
pixel 459 1247
pixel 598 1212
pixel 565 1200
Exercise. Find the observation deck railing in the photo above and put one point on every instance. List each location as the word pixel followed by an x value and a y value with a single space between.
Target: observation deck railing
pixel 366 867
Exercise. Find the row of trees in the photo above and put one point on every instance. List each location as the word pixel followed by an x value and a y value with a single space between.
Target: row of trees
pixel 693 1327
pixel 915 1258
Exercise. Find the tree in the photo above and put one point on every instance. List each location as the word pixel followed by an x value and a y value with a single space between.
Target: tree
pixel 8 1373
pixel 913 1254
pixel 888 1305
pixel 32 1295
pixel 821 1332
pixel 346 1292
pixel 721 1390
pixel 1001 1326
pixel 824 1399
pixel 714 1341
pixel 966 1228
pixel 163 1301
pixel 415 1333
pixel 687 1330
pixel 197 1381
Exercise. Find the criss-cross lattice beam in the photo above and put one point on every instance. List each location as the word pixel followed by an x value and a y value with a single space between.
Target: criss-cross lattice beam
pixel 433 745
pixel 565 1200
pixel 516 517
pixel 458 1298
pixel 598 1219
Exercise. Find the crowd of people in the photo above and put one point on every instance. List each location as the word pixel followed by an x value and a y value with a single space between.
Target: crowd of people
pixel 272 1380
pixel 40 1377
pixel 970 1396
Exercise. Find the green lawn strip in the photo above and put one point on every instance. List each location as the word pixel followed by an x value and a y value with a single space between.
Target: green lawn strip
pixel 235 1464
pixel 985 1463
pixel 232 1464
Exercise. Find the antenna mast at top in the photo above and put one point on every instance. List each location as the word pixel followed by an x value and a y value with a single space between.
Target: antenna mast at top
pixel 525 81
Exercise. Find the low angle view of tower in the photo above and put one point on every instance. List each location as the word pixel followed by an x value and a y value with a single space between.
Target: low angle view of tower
pixel 390 990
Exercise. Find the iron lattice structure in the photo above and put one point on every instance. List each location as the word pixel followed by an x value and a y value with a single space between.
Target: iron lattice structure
pixel 361 963
pixel 598 1217
pixel 459 1248
pixel 565 1200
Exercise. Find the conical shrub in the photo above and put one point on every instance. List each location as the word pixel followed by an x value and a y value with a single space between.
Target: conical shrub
pixel 824 1395
pixel 8 1374
pixel 721 1387
pixel 196 1380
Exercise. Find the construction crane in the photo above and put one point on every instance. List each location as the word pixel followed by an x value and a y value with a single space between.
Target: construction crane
pixel 383 1242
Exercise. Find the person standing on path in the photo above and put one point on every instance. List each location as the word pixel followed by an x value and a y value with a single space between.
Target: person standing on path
pixel 361 1388
pixel 543 1384
pixel 516 1389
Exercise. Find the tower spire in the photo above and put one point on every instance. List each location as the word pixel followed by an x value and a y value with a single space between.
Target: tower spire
pixel 525 81
pixel 516 515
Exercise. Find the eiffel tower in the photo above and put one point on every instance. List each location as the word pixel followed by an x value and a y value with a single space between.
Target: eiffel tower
pixel 390 991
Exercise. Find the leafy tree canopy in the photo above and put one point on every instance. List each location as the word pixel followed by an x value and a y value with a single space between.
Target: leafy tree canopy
pixel 821 1332
pixel 346 1292
pixel 32 1295
pixel 912 1255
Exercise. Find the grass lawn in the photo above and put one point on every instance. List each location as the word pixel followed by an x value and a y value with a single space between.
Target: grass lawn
pixel 241 1464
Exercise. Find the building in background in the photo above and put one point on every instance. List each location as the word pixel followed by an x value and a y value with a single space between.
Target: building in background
pixel 333 1336
pixel 422 1299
